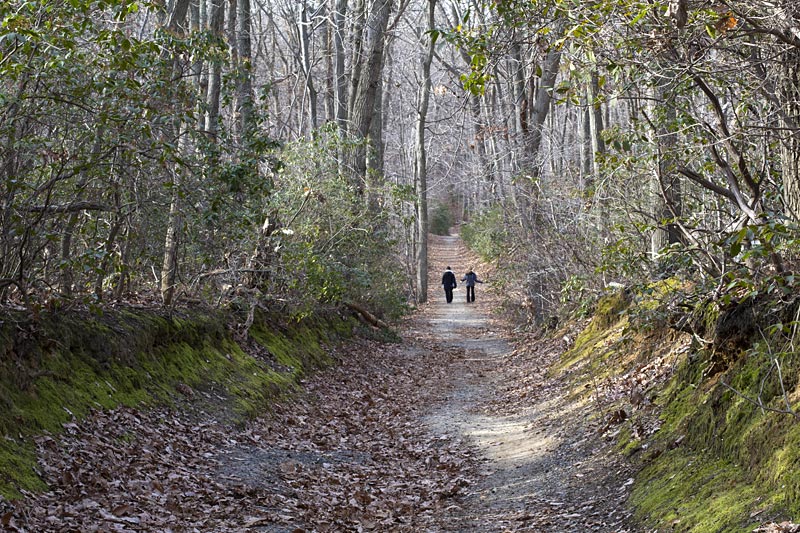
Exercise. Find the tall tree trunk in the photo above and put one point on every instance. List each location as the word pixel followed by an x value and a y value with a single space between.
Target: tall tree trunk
pixel 486 171
pixel 108 248
pixel 216 20
pixel 330 74
pixel 499 160
pixel 598 149
pixel 533 139
pixel 421 162
pixel 790 124
pixel 244 85
pixel 375 150
pixel 124 277
pixel 366 86
pixel 196 12
pixel 666 185
pixel 586 183
pixel 199 67
pixel 169 266
pixel 518 90
pixel 305 62
pixel 596 122
pixel 231 29
pixel 177 21
pixel 357 30
pixel 11 166
pixel 340 75
pixel 518 123
pixel 541 104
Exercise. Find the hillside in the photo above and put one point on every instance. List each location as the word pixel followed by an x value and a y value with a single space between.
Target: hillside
pixel 702 405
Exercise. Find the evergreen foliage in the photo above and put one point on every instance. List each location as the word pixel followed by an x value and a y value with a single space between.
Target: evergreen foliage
pixel 441 219
pixel 100 138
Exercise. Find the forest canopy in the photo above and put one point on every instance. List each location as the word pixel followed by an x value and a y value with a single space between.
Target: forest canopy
pixel 291 150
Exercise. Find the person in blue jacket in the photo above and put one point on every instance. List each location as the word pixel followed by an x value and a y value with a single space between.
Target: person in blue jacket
pixel 471 278
pixel 449 283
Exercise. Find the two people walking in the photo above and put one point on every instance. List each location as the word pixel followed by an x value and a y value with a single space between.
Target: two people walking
pixel 449 283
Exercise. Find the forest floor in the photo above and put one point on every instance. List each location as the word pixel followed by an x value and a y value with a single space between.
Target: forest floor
pixel 457 428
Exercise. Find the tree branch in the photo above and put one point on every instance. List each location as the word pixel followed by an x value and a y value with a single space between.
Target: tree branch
pixel 759 403
pixel 71 207
pixel 369 317
pixel 708 184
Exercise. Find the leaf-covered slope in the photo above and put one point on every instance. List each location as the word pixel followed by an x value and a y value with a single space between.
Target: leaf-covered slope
pixel 57 368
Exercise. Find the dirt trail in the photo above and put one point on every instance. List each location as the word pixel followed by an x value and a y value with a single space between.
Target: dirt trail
pixel 544 467
pixel 455 429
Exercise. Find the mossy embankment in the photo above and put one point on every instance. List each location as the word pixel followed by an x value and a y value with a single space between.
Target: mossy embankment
pixel 58 366
pixel 701 400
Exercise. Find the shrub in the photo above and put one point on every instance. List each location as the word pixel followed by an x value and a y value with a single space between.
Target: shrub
pixel 441 220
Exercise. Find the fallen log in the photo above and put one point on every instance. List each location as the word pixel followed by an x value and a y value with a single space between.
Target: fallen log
pixel 366 315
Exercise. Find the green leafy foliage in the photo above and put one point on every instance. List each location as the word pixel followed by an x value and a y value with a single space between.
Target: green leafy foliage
pixel 486 234
pixel 105 141
pixel 82 135
pixel 331 247
pixel 441 219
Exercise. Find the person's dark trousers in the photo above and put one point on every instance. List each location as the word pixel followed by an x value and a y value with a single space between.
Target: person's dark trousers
pixel 470 294
pixel 448 294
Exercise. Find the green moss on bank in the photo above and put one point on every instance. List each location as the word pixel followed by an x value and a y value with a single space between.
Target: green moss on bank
pixel 716 418
pixel 57 367
pixel 719 462
pixel 687 492
pixel 597 342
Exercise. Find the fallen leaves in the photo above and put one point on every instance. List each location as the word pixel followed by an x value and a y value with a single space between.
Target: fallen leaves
pixel 126 470
pixel 366 463
pixel 349 454
pixel 782 527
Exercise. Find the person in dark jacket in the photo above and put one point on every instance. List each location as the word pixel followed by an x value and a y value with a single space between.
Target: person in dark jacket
pixel 471 278
pixel 449 283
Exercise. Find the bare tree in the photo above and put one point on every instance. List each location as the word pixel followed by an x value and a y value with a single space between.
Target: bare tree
pixel 169 267
pixel 244 87
pixel 216 18
pixel 789 92
pixel 366 82
pixel 421 159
